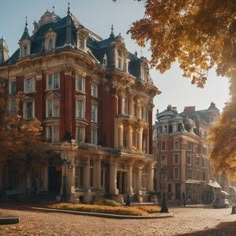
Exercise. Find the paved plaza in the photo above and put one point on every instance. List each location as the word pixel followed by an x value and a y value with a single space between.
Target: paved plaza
pixel 186 221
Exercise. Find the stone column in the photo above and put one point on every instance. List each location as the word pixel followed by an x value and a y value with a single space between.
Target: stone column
pixel 130 143
pixel 87 174
pixel 113 174
pixel 150 177
pixel 121 133
pixel 129 179
pixel 131 106
pixel 139 179
pixel 140 139
pixel 98 173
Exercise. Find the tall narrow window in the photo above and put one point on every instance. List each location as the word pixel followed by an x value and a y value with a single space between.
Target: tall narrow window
pixel 80 109
pixel 80 134
pixel 12 87
pixel 52 133
pixel 94 90
pixel 79 177
pixel 28 110
pixel 50 44
pixel 94 113
pixel 29 85
pixel 119 60
pixel 53 108
pixel 53 81
pixel 94 135
pixel 80 84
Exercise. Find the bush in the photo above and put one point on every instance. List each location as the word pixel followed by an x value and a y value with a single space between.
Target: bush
pixel 119 210
pixel 107 202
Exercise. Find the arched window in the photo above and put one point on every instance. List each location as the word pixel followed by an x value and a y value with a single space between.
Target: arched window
pixel 119 59
pixel 50 44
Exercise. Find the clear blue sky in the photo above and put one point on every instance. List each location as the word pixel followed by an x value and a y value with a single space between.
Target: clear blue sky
pixel 98 16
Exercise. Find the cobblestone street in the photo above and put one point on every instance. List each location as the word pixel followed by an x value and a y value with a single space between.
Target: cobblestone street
pixel 186 221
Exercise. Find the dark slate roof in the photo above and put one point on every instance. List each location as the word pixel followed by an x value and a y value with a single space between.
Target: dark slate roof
pixel 25 35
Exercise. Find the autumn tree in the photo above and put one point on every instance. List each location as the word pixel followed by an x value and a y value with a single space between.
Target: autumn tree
pixel 17 136
pixel 199 35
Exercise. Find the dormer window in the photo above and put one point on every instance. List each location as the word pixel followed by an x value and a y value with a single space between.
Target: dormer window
pixel 119 59
pixel 25 49
pixel 104 60
pixel 82 35
pixel 81 43
pixel 50 40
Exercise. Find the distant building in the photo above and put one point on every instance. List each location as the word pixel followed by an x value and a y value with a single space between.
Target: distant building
pixel 181 150
pixel 94 99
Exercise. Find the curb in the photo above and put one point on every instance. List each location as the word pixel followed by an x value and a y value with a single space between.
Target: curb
pixel 105 215
pixel 5 220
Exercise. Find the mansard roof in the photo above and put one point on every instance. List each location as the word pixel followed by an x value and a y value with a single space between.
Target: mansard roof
pixel 97 47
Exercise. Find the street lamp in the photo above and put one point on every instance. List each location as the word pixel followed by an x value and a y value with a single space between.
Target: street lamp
pixel 66 163
pixel 164 208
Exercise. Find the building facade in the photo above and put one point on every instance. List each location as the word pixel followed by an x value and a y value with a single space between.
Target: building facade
pixel 181 150
pixel 94 100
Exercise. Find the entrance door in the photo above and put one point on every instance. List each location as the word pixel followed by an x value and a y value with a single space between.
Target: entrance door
pixel 54 179
pixel 121 182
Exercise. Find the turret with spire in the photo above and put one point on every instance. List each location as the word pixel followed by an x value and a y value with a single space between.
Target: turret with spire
pixel 4 52
pixel 25 41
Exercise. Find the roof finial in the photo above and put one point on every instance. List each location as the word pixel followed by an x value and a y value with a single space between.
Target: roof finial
pixel 68 12
pixel 26 24
pixel 53 8
pixel 112 30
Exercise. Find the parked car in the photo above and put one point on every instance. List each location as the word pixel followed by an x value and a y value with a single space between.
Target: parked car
pixel 221 203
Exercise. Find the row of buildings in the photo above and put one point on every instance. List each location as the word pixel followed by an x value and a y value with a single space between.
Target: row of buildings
pixel 94 100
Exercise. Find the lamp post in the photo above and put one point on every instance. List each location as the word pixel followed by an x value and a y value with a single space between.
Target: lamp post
pixel 66 163
pixel 164 208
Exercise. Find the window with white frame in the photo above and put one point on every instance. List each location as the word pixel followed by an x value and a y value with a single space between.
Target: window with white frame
pixel 80 84
pixel 189 173
pixel 176 144
pixel 119 59
pixel 176 159
pixel 52 133
pixel 94 135
pixel 203 162
pixel 53 81
pixel 94 112
pixel 125 105
pixel 163 145
pixel 25 49
pixel 53 107
pixel 91 173
pixel 12 87
pixel 188 159
pixel 80 134
pixel 28 109
pixel 81 42
pixel 29 85
pixel 190 146
pixel 176 172
pixel 50 44
pixel 94 90
pixel 80 109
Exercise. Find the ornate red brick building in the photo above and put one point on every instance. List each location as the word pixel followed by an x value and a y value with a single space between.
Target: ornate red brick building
pixel 94 99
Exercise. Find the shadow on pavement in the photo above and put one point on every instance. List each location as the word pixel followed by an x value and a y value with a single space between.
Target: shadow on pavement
pixel 222 229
